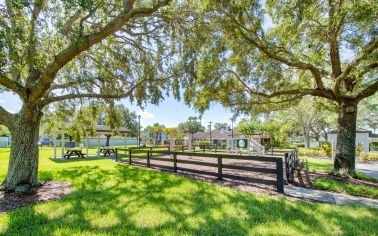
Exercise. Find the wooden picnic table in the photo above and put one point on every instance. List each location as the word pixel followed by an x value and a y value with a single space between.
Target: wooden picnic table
pixel 73 152
pixel 106 151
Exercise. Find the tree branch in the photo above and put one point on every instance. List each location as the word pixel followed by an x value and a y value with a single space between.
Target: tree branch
pixel 368 91
pixel 6 118
pixel 296 64
pixel 87 41
pixel 13 86
pixel 371 47
pixel 299 92
pixel 31 48
pixel 92 95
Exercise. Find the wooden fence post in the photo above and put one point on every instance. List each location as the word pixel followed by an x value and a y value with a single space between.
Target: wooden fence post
pixel 129 157
pixel 116 154
pixel 175 161
pixel 220 167
pixel 148 158
pixel 287 167
pixel 280 181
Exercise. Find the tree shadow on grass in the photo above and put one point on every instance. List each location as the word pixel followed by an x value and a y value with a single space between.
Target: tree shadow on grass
pixel 129 200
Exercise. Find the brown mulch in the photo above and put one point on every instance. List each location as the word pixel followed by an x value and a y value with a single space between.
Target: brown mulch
pixel 306 178
pixel 49 190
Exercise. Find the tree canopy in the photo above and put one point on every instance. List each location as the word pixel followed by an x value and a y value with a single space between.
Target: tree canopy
pixel 259 56
pixel 192 125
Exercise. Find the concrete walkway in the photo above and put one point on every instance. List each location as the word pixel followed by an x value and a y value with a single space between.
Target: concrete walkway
pixel 328 197
pixel 368 168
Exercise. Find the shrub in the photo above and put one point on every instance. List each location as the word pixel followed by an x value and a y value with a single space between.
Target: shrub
pixel 358 149
pixel 308 151
pixel 326 149
pixel 203 142
pixel 374 146
pixel 369 156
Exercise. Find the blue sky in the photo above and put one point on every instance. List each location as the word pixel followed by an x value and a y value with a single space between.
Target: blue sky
pixel 169 112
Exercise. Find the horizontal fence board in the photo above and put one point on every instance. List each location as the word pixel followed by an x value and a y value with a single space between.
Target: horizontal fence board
pixel 138 157
pixel 197 163
pixel 138 151
pixel 250 168
pixel 250 179
pixel 161 159
pixel 122 155
pixel 197 171
pixel 225 156
pixel 161 166
pixel 122 149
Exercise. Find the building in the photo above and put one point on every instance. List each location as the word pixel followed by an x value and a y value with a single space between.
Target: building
pixel 363 137
pixel 223 135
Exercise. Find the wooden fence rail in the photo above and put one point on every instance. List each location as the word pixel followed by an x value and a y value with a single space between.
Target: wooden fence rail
pixel 277 170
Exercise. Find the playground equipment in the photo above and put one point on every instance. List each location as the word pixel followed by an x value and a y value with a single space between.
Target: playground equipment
pixel 247 145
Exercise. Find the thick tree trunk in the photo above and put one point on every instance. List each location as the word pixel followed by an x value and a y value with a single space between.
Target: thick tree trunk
pixel 23 161
pixel 346 139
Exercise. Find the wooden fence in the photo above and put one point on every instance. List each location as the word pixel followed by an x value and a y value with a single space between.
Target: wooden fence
pixel 220 165
pixel 291 160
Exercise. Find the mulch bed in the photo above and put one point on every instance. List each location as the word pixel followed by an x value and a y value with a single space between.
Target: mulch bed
pixel 49 190
pixel 306 178
pixel 237 184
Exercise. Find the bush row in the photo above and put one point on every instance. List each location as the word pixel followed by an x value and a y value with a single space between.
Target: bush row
pixel 369 156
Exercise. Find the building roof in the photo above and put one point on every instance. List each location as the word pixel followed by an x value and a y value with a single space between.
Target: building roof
pixel 223 135
pixel 106 129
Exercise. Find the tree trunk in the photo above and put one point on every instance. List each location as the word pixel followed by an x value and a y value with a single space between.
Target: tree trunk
pixel 346 139
pixel 23 161
pixel 306 137
pixel 108 140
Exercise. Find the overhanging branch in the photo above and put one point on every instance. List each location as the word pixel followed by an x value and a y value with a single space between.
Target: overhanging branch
pixel 6 118
pixel 296 64
pixel 368 91
pixel 370 48
pixel 12 85
pixel 87 41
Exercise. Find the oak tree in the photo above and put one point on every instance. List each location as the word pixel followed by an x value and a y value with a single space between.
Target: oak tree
pixel 51 51
pixel 254 56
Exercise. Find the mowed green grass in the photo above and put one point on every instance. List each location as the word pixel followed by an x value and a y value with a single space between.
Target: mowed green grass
pixel 324 165
pixel 113 199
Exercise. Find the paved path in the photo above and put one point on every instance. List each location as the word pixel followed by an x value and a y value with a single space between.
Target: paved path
pixel 328 197
pixel 368 168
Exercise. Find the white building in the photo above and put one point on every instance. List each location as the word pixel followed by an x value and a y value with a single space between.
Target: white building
pixel 362 137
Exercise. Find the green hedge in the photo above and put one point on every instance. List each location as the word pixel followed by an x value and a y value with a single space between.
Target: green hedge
pixel 369 156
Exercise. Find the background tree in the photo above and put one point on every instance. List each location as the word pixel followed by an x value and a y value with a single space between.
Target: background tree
pixel 155 132
pixel 192 125
pixel 51 51
pixel 266 55
pixel 368 113
pixel 4 131
pixel 221 126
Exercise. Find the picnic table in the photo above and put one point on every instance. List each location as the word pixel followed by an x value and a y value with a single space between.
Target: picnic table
pixel 106 151
pixel 73 152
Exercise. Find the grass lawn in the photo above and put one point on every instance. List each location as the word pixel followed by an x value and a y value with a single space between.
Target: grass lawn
pixel 112 199
pixel 324 165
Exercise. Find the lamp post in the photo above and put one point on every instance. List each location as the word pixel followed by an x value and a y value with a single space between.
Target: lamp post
pixel 232 127
pixel 210 130
pixel 139 131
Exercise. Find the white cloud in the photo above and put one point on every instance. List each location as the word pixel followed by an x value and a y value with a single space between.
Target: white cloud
pixel 145 114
